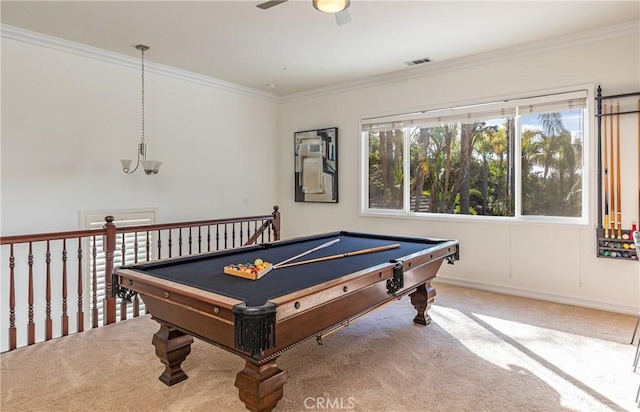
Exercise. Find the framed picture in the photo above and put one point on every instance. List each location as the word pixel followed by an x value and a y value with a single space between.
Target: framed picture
pixel 316 165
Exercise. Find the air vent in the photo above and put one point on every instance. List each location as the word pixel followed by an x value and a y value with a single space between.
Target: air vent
pixel 417 62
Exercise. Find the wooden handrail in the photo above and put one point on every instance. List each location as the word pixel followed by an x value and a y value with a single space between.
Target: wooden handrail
pixel 256 228
pixel 195 223
pixel 41 237
pixel 74 234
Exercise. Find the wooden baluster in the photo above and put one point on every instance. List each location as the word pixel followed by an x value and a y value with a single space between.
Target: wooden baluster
pixel 48 335
pixel 255 231
pixel 276 224
pixel 148 246
pixel 233 235
pixel 179 241
pixel 123 251
pixel 109 303
pixel 190 241
pixel 31 327
pixel 13 343
pixel 94 285
pixel 242 233
pixel 80 288
pixel 160 244
pixel 199 239
pixel 170 242
pixel 65 316
pixel 135 247
pixel 217 237
pixel 136 303
pixel 225 236
pixel 261 232
pixel 208 238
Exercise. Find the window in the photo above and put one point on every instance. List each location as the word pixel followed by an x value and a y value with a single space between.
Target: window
pixel 520 159
pixel 95 220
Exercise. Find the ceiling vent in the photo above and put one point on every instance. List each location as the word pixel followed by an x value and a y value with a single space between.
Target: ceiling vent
pixel 417 62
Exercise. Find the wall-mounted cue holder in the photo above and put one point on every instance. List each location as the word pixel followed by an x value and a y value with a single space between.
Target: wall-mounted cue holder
pixel 609 109
pixel 614 248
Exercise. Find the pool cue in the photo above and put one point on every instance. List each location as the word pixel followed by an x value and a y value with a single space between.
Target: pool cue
pixel 611 176
pixel 322 246
pixel 619 175
pixel 606 177
pixel 341 255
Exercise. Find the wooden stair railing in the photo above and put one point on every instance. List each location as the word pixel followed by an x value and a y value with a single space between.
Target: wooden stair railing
pixel 31 286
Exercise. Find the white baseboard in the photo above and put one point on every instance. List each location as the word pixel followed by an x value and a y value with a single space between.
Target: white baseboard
pixel 534 294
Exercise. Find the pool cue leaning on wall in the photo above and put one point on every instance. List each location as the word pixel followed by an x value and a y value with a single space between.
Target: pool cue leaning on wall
pixel 612 173
pixel 606 176
pixel 619 174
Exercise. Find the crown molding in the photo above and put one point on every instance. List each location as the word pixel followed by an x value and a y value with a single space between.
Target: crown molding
pixel 604 33
pixel 79 49
pixel 610 32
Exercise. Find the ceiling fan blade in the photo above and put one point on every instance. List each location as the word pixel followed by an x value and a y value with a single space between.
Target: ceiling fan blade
pixel 343 17
pixel 269 4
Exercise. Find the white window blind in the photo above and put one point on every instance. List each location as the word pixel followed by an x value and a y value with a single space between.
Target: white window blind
pixel 121 219
pixel 479 112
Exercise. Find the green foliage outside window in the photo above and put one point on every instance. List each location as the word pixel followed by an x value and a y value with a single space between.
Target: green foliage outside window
pixel 469 168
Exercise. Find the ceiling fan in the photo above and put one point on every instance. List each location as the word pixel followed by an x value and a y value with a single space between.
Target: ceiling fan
pixel 336 7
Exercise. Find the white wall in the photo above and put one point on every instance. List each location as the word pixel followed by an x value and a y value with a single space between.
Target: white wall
pixel 555 262
pixel 68 119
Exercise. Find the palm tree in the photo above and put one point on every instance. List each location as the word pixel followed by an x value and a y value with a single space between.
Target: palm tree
pixel 485 143
pixel 422 164
pixel 388 170
pixel 530 151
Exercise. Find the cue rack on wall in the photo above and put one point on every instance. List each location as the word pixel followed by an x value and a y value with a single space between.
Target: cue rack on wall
pixel 613 241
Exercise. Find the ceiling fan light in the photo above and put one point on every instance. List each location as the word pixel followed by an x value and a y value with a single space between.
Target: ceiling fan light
pixel 331 6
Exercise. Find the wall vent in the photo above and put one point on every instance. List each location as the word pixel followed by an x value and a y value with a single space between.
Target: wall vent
pixel 419 61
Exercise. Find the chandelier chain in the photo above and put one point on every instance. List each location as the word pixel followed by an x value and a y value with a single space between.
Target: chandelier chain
pixel 142 139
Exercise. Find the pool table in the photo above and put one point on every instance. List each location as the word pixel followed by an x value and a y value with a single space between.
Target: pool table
pixel 260 319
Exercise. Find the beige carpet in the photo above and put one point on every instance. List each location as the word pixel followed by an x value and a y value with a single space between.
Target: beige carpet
pixel 483 352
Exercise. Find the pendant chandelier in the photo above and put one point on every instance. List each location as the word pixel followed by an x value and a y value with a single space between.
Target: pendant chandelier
pixel 151 167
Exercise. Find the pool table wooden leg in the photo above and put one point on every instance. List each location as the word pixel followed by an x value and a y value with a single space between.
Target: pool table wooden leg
pixel 261 386
pixel 422 299
pixel 172 347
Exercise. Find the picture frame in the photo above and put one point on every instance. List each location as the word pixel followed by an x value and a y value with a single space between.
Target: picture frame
pixel 316 165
